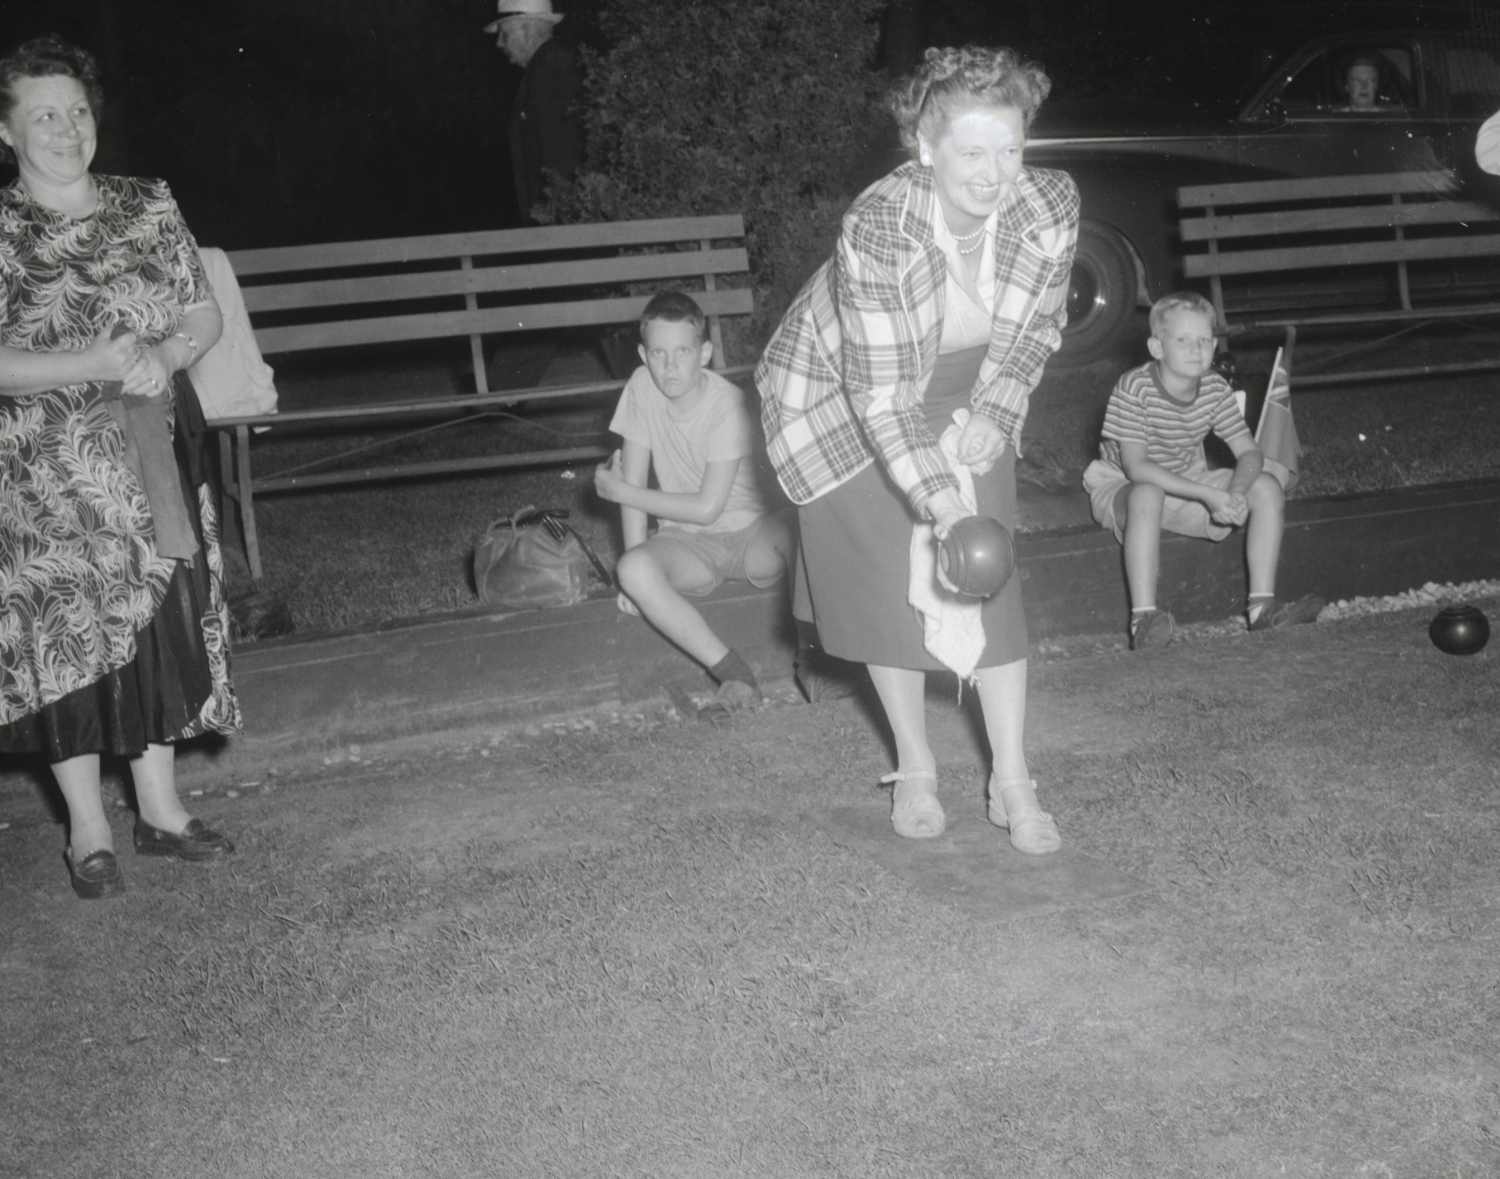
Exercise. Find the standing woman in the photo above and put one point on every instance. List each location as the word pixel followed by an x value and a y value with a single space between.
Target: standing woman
pixel 942 301
pixel 113 626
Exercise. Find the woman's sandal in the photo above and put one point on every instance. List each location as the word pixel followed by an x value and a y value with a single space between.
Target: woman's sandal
pixel 916 812
pixel 1013 805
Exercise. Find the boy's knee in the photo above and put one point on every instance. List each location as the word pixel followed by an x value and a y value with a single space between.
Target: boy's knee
pixel 1142 503
pixel 1265 493
pixel 635 568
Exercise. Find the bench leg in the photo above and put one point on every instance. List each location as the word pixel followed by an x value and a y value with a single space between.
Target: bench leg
pixel 245 494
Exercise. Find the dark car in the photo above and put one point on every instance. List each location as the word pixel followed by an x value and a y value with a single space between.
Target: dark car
pixel 1430 92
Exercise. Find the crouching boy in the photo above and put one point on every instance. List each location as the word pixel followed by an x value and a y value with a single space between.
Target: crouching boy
pixel 1152 474
pixel 689 425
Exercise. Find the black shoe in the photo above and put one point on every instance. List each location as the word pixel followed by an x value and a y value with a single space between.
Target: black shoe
pixel 198 841
pixel 97 876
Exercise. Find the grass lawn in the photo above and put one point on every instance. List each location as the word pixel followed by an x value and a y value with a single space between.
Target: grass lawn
pixel 365 555
pixel 623 946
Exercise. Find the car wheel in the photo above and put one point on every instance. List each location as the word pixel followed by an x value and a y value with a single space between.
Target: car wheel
pixel 1101 296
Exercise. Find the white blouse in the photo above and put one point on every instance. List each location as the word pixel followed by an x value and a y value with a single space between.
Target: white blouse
pixel 966 322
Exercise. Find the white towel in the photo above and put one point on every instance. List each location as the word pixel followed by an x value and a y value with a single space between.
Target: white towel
pixel 952 628
pixel 231 378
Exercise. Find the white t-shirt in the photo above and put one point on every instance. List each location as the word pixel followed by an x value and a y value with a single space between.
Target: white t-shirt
pixel 717 428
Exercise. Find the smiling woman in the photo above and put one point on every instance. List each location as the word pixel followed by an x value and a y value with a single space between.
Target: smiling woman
pixel 894 393
pixel 113 628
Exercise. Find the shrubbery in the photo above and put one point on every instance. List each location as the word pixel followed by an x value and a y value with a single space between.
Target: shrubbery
pixel 766 107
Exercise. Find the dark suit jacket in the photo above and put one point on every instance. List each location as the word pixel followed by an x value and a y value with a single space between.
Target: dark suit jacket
pixel 544 122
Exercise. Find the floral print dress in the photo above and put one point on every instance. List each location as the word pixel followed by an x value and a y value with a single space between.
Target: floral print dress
pixel 95 625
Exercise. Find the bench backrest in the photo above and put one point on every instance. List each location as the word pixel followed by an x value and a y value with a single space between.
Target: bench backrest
pixel 468 285
pixel 1391 219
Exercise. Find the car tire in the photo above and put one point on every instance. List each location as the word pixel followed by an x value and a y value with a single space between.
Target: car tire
pixel 1101 296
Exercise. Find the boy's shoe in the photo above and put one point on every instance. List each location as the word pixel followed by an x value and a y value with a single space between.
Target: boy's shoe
pixel 1152 628
pixel 732 696
pixel 1278 614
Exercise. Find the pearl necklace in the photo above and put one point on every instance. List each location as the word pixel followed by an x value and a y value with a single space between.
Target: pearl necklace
pixel 971 243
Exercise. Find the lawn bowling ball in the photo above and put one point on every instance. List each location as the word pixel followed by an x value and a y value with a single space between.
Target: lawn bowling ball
pixel 977 556
pixel 1460 630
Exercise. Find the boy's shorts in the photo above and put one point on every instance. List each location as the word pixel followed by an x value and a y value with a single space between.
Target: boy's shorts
pixel 721 554
pixel 1186 517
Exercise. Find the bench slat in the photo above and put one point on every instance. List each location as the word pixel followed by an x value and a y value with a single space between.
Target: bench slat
pixel 1321 188
pixel 393 288
pixel 400 250
pixel 381 329
pixel 1288 221
pixel 1351 254
pixel 459 404
pixel 421 470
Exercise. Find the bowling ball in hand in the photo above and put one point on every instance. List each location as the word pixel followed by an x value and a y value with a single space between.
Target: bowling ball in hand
pixel 1459 630
pixel 977 556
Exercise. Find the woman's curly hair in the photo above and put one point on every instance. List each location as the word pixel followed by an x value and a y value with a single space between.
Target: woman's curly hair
pixel 950 80
pixel 47 57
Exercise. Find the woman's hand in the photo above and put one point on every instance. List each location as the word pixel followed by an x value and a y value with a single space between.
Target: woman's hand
pixel 980 444
pixel 110 358
pixel 946 510
pixel 149 376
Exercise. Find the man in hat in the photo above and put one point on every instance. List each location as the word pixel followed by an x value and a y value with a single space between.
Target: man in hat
pixel 544 131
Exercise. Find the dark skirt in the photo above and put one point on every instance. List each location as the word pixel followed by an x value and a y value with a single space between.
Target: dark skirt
pixel 157 697
pixel 853 566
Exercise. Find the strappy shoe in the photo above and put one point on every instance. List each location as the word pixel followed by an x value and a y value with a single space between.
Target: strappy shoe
pixel 1013 805
pixel 916 812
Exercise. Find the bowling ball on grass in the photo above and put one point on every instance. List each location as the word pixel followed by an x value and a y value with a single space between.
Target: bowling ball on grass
pixel 1459 630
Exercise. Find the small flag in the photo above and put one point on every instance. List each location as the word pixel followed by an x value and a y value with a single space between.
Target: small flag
pixel 1276 433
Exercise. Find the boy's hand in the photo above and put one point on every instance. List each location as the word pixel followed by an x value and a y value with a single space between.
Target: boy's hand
pixel 626 606
pixel 1229 508
pixel 608 480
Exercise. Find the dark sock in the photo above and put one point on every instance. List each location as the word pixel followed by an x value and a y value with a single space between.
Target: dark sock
pixel 732 667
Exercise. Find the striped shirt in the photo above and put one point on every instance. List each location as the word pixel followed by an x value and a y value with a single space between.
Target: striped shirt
pixel 1172 431
pixel 842 379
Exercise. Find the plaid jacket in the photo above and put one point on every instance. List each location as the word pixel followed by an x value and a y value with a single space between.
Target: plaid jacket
pixel 842 380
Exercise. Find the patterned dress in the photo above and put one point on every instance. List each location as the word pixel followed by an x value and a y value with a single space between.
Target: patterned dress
pixel 105 645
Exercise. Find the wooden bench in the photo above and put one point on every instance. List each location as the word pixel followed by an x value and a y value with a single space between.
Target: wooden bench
pixel 464 287
pixel 1395 250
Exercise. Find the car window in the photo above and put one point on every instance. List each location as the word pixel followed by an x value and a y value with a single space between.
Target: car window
pixel 1352 82
pixel 1470 76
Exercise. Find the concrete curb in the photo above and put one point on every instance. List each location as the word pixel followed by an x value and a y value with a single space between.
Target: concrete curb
pixel 306 696
pixel 480 667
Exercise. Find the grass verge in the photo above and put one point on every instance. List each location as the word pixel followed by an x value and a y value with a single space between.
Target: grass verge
pixel 655 950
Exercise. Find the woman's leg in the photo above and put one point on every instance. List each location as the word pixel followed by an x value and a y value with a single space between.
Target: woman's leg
pixel 915 810
pixel 1002 698
pixel 155 775
pixel 88 827
pixel 1013 802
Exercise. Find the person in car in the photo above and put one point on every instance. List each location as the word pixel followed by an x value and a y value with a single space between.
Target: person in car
pixel 906 362
pixel 1362 85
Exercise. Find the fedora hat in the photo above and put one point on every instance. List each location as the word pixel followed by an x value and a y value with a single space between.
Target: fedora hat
pixel 541 9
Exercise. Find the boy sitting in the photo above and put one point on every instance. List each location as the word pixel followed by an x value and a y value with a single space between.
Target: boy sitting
pixel 1152 472
pixel 692 427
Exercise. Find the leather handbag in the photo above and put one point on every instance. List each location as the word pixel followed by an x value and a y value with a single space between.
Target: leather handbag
pixel 532 559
